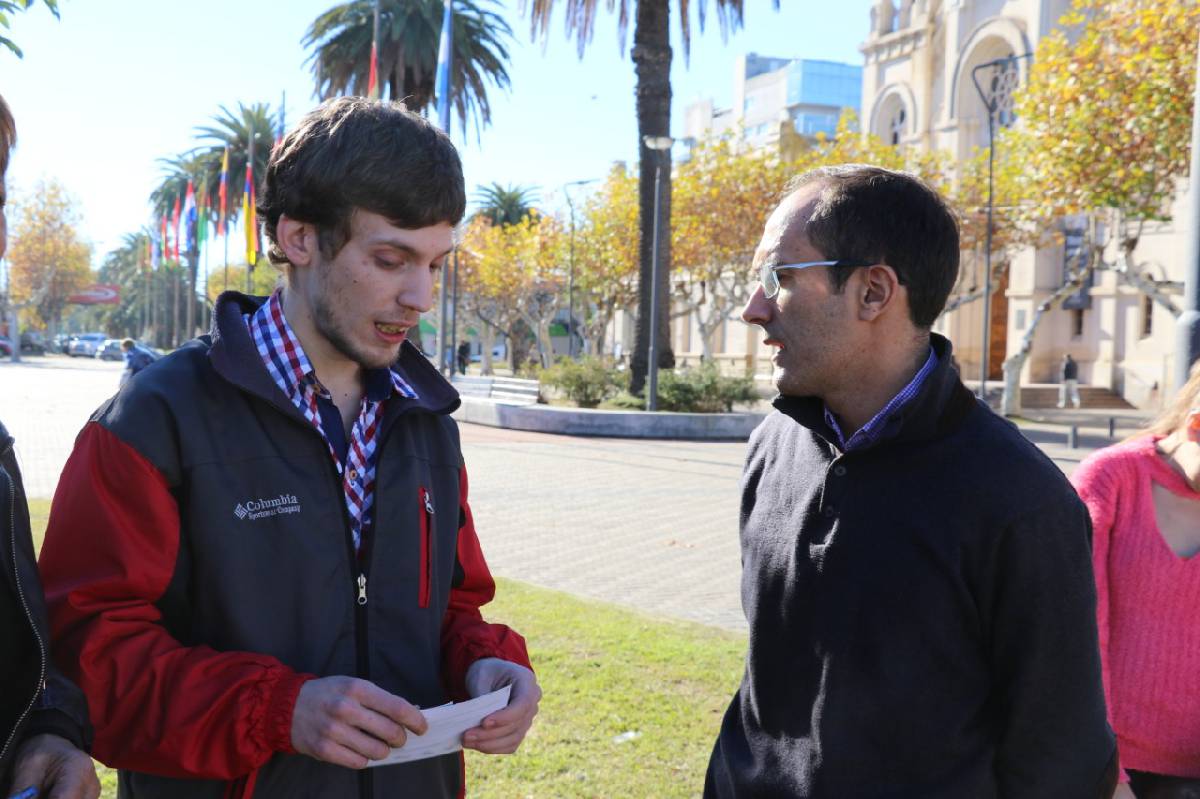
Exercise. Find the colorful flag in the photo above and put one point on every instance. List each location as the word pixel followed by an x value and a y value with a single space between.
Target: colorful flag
pixel 163 252
pixel 441 87
pixel 202 216
pixel 189 220
pixel 221 197
pixel 373 75
pixel 248 216
pixel 175 227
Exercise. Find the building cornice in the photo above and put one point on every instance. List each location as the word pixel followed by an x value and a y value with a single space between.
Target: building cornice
pixel 892 46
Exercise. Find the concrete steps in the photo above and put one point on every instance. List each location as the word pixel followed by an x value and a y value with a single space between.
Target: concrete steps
pixel 1046 396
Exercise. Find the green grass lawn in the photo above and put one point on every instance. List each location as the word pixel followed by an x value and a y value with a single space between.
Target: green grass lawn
pixel 632 703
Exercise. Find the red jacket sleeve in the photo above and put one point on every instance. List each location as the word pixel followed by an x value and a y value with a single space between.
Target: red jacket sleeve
pixel 466 637
pixel 157 706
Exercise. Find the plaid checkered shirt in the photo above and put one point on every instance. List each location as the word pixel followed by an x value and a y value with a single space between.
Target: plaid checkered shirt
pixel 289 367
pixel 869 433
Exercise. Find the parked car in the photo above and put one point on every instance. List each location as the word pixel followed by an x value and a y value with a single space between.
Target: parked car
pixel 110 350
pixel 61 343
pixel 5 348
pixel 86 345
pixel 32 343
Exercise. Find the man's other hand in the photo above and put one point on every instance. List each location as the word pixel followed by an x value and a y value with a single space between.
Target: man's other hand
pixel 56 768
pixel 348 721
pixel 502 732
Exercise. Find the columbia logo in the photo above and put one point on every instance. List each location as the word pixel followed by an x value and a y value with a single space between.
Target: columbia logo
pixel 261 508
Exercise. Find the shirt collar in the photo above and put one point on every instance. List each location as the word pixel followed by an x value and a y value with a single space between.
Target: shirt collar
pixel 869 433
pixel 290 368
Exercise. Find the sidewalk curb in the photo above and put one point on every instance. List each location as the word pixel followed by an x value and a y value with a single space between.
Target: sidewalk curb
pixel 608 424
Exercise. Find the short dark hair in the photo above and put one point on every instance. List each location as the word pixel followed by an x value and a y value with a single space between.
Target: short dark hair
pixel 352 153
pixel 127 344
pixel 8 136
pixel 878 215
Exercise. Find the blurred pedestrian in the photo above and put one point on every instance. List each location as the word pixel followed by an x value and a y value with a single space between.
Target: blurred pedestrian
pixel 1068 383
pixel 464 356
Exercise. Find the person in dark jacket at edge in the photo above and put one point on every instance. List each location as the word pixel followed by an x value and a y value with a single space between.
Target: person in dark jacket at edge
pixel 44 731
pixel 261 561
pixel 916 575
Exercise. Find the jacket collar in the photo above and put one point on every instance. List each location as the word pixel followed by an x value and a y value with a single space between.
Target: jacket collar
pixel 235 358
pixel 941 404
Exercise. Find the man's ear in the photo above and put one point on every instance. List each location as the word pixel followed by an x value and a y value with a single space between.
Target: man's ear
pixel 298 240
pixel 878 290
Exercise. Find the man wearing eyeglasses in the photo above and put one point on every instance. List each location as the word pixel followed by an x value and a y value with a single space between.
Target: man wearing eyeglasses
pixel 916 575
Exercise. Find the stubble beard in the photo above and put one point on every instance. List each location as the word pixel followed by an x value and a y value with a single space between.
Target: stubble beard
pixel 330 326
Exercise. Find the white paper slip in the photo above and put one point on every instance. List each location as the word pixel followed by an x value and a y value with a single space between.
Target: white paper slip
pixel 446 727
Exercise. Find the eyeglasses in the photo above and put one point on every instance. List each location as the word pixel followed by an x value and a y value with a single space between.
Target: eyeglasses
pixel 770 280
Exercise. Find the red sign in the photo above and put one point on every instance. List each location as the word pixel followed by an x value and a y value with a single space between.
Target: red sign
pixel 99 294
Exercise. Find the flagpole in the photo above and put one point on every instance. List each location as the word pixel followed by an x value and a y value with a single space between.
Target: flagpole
pixel 442 90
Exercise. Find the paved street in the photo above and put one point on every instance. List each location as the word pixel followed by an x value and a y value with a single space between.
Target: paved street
pixel 648 524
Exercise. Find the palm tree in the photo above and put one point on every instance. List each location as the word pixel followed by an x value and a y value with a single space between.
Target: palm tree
pixel 409 32
pixel 8 8
pixel 233 129
pixel 652 64
pixel 178 171
pixel 505 205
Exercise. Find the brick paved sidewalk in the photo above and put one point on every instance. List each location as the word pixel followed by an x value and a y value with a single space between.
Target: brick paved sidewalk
pixel 647 524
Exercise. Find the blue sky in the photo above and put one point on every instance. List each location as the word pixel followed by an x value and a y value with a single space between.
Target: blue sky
pixel 111 87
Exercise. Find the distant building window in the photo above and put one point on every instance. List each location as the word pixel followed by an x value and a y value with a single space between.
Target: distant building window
pixel 896 127
pixel 1147 316
pixel 1077 323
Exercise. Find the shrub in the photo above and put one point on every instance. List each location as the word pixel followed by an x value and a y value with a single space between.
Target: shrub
pixel 587 382
pixel 703 389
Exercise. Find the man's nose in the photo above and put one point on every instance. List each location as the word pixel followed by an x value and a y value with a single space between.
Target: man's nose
pixel 758 308
pixel 417 291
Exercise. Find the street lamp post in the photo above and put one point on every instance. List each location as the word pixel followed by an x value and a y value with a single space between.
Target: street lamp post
pixel 1187 326
pixel 991 101
pixel 661 145
pixel 571 273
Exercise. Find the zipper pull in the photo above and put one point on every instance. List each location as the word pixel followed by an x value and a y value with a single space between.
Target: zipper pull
pixel 362 589
pixel 428 502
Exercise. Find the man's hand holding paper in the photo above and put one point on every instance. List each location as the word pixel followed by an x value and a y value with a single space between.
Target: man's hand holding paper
pixel 502 732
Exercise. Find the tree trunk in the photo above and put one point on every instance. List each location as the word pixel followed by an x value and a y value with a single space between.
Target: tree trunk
pixel 1010 400
pixel 193 259
pixel 175 308
pixel 487 340
pixel 652 63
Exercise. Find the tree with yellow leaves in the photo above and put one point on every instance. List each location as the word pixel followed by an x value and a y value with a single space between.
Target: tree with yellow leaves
pixel 723 194
pixel 1104 130
pixel 515 269
pixel 1105 119
pixel 48 260
pixel 606 254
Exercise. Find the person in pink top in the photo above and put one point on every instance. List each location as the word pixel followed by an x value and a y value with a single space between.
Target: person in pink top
pixel 1144 499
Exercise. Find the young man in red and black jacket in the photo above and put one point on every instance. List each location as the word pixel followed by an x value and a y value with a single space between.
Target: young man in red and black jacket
pixel 261 559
